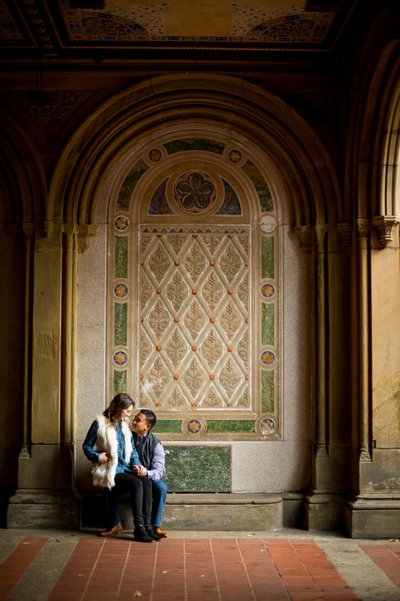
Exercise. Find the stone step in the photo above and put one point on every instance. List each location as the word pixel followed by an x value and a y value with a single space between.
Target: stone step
pixel 223 511
pixel 208 511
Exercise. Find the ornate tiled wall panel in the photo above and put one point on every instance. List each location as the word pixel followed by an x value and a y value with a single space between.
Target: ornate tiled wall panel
pixel 194 322
pixel 194 291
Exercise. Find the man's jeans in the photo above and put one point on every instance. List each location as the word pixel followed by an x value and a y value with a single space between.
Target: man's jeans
pixel 160 490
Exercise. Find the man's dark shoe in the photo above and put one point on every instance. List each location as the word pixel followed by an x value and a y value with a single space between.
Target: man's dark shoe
pixel 160 532
pixel 112 531
pixel 141 535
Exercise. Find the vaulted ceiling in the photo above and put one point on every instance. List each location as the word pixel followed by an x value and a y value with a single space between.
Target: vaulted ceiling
pixel 75 30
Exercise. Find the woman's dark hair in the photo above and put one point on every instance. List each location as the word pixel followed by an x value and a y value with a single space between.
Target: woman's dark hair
pixel 121 401
pixel 149 416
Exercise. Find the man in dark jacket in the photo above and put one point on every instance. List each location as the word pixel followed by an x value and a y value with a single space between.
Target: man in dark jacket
pixel 152 458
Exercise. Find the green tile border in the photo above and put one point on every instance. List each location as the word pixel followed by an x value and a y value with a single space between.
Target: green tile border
pixel 267 257
pixel 120 381
pixel 267 324
pixel 267 391
pixel 120 324
pixel 129 184
pixel 263 191
pixel 121 256
pixel 165 426
pixel 182 145
pixel 230 426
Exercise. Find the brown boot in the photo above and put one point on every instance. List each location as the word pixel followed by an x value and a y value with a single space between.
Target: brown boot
pixel 160 532
pixel 112 531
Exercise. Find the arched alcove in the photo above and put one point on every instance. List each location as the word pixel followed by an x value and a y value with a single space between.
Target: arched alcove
pixel 228 102
pixel 296 234
pixel 300 179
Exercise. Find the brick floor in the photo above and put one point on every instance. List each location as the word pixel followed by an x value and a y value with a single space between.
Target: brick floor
pixel 193 569
pixel 387 557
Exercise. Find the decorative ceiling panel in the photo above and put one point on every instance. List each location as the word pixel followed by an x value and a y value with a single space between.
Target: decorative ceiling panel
pixel 172 21
pixel 62 26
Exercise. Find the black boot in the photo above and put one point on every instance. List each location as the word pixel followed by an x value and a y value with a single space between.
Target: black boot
pixel 140 534
pixel 150 532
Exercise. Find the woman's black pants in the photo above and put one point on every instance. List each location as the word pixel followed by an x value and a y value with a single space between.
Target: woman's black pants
pixel 138 490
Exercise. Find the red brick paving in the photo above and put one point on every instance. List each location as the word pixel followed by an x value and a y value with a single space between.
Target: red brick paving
pixel 387 557
pixel 195 569
pixel 16 564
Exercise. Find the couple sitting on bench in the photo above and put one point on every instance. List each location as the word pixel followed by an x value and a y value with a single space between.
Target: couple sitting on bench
pixel 129 463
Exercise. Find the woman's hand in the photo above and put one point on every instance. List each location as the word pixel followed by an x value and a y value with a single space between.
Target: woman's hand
pixel 103 457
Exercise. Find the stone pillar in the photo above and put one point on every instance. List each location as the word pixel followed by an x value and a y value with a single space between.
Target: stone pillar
pixel 375 509
pixel 332 419
pixel 45 474
pixel 364 438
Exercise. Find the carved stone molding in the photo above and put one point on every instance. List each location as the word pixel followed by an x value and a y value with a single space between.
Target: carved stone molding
pixel 364 456
pixel 48 228
pixel 384 225
pixel 363 227
pixel 37 20
pixel 29 229
pixel 345 232
pixel 47 105
pixel 82 232
pixel 305 235
pixel 320 451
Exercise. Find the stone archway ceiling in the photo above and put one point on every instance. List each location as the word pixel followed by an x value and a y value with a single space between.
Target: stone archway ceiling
pixel 117 28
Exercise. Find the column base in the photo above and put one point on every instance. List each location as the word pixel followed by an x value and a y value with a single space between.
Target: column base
pixel 373 517
pixel 324 512
pixel 30 508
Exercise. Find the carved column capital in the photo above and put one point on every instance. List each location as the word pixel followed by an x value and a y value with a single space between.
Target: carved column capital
pixel 82 232
pixel 363 227
pixel 384 225
pixel 364 456
pixel 29 229
pixel 48 228
pixel 344 230
pixel 306 237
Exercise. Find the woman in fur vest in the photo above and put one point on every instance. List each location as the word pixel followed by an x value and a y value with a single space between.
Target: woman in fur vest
pixel 109 446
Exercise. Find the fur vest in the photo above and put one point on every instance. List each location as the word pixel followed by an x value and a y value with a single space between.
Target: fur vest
pixel 107 442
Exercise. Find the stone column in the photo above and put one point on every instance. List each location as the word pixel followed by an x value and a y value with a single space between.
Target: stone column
pixel 44 496
pixel 331 435
pixel 364 443
pixel 29 231
pixel 375 508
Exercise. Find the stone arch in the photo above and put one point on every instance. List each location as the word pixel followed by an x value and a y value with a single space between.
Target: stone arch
pixel 385 93
pixel 24 187
pixel 304 166
pixel 22 182
pixel 374 131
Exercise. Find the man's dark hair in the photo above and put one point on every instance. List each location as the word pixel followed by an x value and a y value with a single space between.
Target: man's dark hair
pixel 150 417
